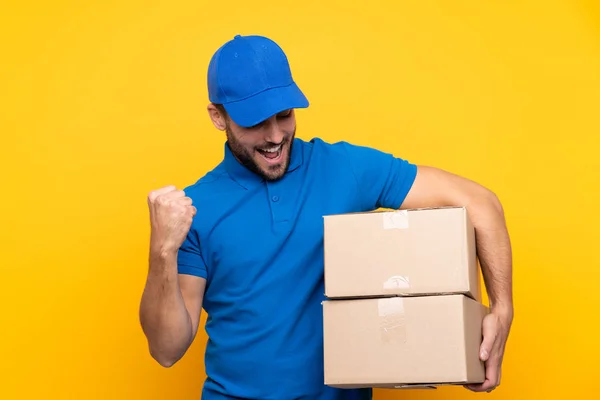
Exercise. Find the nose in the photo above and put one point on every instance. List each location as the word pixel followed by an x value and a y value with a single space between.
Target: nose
pixel 274 133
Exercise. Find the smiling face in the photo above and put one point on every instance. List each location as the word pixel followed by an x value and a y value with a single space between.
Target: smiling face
pixel 265 148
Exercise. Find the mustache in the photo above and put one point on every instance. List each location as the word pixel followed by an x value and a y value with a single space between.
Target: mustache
pixel 270 145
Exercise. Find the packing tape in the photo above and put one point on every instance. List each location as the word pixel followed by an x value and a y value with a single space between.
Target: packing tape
pixel 396 282
pixel 395 219
pixel 392 320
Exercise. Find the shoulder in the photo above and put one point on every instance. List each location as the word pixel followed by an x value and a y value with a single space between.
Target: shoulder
pixel 320 146
pixel 209 192
pixel 347 152
pixel 212 195
pixel 208 185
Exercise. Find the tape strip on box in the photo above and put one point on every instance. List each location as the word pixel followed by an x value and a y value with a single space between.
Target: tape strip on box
pixel 396 282
pixel 392 320
pixel 395 219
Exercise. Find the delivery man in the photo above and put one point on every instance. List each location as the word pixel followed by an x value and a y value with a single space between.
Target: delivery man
pixel 245 242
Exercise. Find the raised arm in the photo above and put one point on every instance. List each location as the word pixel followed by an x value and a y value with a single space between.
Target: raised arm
pixel 171 303
pixel 435 187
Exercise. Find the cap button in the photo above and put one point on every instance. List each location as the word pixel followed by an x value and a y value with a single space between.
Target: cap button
pixel 237 37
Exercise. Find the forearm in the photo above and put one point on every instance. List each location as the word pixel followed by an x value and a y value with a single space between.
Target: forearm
pixel 163 315
pixel 494 251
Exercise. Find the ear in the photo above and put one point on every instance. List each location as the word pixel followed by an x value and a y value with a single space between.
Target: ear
pixel 216 117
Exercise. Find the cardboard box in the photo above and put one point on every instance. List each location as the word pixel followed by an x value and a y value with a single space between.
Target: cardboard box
pixel 401 252
pixel 400 342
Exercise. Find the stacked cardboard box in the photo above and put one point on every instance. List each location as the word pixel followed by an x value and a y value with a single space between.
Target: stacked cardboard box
pixel 404 299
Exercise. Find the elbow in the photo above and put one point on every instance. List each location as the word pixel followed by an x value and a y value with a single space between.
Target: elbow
pixel 165 356
pixel 166 363
pixel 165 350
pixel 485 202
pixel 493 202
pixel 164 360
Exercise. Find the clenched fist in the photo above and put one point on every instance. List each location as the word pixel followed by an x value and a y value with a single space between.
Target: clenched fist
pixel 171 214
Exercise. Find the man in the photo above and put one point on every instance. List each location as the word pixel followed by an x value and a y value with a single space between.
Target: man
pixel 246 241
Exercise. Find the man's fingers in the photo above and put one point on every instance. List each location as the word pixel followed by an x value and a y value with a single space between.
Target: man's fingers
pixel 490 333
pixel 492 377
pixel 184 201
pixel 163 190
pixel 486 386
pixel 492 372
pixel 491 352
pixel 174 194
pixel 158 192
pixel 169 196
pixel 486 348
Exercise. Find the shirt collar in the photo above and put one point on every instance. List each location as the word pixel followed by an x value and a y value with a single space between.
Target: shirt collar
pixel 247 178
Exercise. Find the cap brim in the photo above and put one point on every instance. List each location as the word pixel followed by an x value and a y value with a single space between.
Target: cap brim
pixel 255 109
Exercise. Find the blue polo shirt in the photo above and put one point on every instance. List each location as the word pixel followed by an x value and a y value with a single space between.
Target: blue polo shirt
pixel 260 247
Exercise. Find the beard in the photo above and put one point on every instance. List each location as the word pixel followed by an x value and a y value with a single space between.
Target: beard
pixel 245 157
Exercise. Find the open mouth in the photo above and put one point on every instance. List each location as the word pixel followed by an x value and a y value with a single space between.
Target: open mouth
pixel 271 154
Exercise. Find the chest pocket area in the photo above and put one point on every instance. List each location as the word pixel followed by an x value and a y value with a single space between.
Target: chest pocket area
pixel 239 252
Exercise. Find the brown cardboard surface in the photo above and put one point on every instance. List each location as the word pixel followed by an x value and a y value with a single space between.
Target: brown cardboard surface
pixel 401 253
pixel 397 342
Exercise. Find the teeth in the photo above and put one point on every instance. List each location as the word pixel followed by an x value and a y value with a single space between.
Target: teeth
pixel 272 150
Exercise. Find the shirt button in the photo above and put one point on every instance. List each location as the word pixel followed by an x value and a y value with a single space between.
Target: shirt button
pixel 275 198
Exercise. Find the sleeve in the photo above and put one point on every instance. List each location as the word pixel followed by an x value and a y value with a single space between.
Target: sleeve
pixel 189 258
pixel 383 180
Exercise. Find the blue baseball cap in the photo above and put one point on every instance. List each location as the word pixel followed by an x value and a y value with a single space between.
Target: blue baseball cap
pixel 251 77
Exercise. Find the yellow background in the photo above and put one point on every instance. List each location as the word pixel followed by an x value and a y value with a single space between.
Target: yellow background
pixel 101 102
